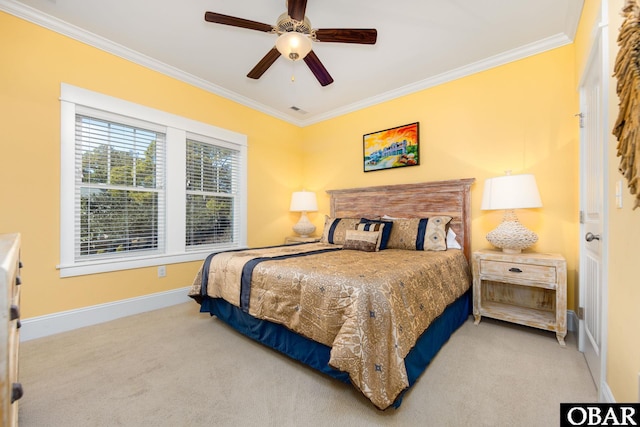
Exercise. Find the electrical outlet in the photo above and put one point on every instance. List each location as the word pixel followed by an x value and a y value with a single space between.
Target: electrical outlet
pixel 162 271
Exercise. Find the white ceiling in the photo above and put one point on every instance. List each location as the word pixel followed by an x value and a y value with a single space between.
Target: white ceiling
pixel 421 43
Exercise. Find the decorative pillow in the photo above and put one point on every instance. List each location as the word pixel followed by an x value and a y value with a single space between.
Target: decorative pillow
pixel 360 240
pixel 452 243
pixel 419 234
pixel 335 229
pixel 384 227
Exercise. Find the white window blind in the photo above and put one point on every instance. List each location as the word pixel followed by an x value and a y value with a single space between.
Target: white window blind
pixel 120 206
pixel 123 199
pixel 212 177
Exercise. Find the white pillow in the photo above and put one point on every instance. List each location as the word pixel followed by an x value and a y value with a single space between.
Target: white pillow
pixel 452 243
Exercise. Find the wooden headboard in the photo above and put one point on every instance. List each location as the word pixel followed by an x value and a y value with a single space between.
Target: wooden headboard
pixel 451 198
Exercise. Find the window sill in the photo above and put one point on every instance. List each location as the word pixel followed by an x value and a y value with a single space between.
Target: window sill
pixel 110 265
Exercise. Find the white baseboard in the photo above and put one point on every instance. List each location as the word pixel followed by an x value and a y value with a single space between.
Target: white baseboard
pixel 606 396
pixel 42 326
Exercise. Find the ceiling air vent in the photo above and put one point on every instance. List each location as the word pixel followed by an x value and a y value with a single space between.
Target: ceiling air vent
pixel 297 109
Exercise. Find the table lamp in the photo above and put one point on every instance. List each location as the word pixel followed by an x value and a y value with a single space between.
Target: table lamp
pixel 303 201
pixel 511 192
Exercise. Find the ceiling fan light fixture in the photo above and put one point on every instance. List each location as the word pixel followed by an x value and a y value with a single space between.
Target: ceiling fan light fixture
pixel 293 45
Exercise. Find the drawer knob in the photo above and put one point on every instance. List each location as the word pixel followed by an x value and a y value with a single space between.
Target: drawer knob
pixel 14 312
pixel 515 270
pixel 16 391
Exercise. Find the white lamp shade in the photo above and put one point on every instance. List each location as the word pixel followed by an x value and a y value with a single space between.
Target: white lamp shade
pixel 303 201
pixel 511 192
pixel 293 45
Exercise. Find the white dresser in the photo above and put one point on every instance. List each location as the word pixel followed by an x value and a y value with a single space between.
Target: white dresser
pixel 11 389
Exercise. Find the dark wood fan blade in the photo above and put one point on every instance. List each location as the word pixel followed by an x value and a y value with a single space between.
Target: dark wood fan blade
pixel 318 69
pixel 347 35
pixel 296 9
pixel 218 18
pixel 264 64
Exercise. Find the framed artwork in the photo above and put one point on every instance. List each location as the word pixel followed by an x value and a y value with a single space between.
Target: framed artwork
pixel 391 148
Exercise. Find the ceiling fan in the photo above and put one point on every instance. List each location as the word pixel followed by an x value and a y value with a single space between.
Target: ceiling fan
pixel 294 38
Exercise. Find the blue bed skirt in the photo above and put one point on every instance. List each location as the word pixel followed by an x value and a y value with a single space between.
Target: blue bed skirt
pixel 317 355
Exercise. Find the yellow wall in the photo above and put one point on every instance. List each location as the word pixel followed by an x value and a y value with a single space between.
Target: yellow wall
pixel 623 355
pixel 34 63
pixel 517 117
pixel 585 33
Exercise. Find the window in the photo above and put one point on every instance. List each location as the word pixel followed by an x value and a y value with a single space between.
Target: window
pixel 211 177
pixel 140 187
pixel 120 188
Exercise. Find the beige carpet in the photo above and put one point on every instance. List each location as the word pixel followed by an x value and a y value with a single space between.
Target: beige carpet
pixel 177 367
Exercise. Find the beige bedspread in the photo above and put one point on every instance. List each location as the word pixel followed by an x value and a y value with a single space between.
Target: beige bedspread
pixel 370 308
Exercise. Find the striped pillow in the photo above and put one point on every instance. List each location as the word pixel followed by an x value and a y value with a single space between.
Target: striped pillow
pixel 335 229
pixel 361 240
pixel 420 234
pixel 384 227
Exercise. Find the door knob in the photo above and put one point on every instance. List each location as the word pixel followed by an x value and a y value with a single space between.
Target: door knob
pixel 590 236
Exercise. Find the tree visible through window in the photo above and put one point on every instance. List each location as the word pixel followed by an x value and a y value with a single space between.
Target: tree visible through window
pixel 121 187
pixel 210 190
pixel 141 187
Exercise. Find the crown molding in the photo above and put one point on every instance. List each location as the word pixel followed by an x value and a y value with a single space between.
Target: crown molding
pixel 457 73
pixel 52 23
pixel 47 21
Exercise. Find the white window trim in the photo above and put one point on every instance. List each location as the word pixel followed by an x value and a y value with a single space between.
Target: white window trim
pixel 177 129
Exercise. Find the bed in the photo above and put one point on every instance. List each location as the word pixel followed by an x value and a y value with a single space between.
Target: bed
pixel 369 304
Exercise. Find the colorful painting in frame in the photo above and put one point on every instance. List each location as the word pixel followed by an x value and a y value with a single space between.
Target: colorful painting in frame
pixel 391 148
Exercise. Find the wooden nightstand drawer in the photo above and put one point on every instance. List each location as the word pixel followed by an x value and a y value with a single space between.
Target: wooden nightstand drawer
pixel 516 270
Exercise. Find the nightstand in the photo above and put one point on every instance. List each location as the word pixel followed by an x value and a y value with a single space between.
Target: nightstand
pixel 297 239
pixel 527 288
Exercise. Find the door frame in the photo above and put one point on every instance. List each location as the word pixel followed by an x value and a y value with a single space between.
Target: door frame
pixel 599 41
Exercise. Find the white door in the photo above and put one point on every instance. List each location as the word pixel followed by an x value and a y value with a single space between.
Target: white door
pixel 594 134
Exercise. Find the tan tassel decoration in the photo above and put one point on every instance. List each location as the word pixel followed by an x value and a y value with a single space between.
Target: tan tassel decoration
pixel 627 71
